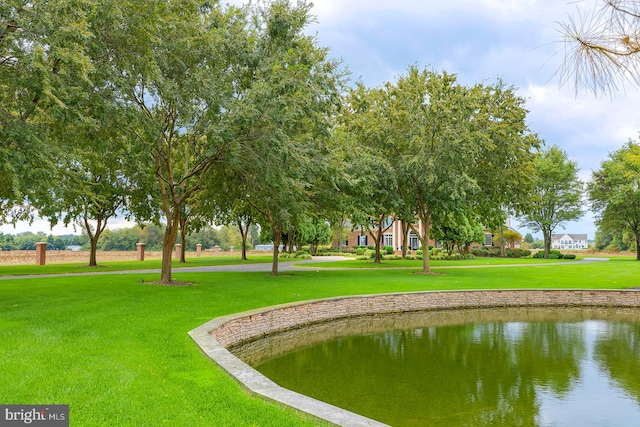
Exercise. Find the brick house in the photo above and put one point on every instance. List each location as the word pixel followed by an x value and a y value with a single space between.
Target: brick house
pixel 393 236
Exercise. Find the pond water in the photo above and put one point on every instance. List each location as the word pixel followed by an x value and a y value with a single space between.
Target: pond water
pixel 498 367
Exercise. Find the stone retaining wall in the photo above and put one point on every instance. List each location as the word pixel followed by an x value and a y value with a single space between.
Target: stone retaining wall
pixel 217 335
pixel 255 325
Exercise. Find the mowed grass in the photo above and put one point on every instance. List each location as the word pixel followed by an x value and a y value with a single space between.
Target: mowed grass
pixel 152 264
pixel 417 263
pixel 117 351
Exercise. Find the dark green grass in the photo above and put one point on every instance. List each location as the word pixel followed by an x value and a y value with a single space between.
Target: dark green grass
pixel 401 263
pixel 82 267
pixel 117 351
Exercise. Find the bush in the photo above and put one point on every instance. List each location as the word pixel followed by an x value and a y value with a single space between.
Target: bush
pixel 487 251
pixel 556 253
pixel 359 251
pixel 391 257
pixel 569 256
pixel 388 249
pixel 553 256
pixel 370 247
pixel 419 252
pixel 517 252
pixel 539 254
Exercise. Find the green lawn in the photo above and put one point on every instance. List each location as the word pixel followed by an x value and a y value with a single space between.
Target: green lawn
pixel 117 351
pixel 400 263
pixel 81 267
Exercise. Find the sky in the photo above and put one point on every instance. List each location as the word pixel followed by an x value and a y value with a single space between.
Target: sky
pixel 517 41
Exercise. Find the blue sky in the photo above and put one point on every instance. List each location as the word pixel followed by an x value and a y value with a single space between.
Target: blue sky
pixel 479 40
pixel 482 40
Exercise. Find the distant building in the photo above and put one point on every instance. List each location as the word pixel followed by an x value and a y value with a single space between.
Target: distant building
pixel 569 241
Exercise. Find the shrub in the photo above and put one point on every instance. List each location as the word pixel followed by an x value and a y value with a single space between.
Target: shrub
pixel 419 252
pixel 556 253
pixel 359 251
pixel 569 256
pixel 391 257
pixel 388 249
pixel 370 247
pixel 517 252
pixel 553 256
pixel 487 251
pixel 539 254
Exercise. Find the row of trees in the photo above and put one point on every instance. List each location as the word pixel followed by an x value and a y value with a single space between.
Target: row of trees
pixel 182 113
pixel 189 113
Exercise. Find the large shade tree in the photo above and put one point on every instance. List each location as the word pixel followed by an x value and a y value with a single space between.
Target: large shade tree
pixel 289 108
pixel 455 148
pixel 557 194
pixel 44 60
pixel 176 65
pixel 614 193
pixel 375 196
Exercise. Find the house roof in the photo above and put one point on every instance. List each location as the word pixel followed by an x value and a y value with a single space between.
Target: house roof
pixel 572 236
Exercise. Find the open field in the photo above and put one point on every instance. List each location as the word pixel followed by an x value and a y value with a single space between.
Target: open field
pixel 117 351
pixel 54 257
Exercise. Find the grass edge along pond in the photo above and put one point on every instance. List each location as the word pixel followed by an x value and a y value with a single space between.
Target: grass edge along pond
pixel 117 351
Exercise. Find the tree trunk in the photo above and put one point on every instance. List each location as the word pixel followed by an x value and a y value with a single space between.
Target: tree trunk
pixel 637 233
pixel 94 237
pixel 244 233
pixel 503 251
pixel 424 240
pixel 547 242
pixel 277 237
pixel 377 238
pixel 93 240
pixel 169 241
pixel 406 226
pixel 183 239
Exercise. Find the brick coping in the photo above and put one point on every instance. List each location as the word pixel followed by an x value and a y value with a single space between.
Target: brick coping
pixel 215 336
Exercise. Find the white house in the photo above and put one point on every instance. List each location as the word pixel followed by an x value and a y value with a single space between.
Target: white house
pixel 569 241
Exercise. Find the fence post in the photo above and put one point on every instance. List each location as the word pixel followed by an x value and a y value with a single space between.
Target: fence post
pixel 41 253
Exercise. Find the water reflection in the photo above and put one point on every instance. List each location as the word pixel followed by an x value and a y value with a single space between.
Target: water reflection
pixel 505 367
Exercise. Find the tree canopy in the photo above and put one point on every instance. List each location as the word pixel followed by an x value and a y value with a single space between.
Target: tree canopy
pixel 614 193
pixel 557 195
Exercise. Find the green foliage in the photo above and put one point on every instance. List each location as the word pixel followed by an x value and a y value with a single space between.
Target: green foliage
pixel 614 193
pixel 487 251
pixel 388 249
pixel 569 256
pixel 557 195
pixel 359 251
pixel 517 252
pixel 528 238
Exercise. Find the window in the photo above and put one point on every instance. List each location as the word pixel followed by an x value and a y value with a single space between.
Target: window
pixel 488 239
pixel 387 240
pixel 386 223
pixel 362 240
pixel 414 242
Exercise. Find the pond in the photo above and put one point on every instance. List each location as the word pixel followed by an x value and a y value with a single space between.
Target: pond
pixel 498 367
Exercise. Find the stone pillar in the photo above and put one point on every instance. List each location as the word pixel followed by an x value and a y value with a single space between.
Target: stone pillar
pixel 140 251
pixel 41 253
pixel 198 249
pixel 178 251
pixel 231 251
pixel 216 250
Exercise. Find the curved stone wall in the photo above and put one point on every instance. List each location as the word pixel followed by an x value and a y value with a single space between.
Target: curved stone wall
pixel 216 336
